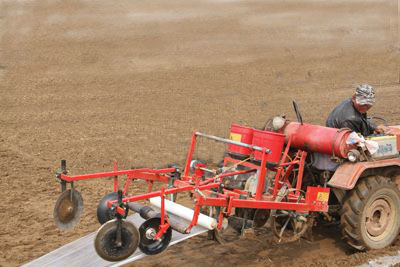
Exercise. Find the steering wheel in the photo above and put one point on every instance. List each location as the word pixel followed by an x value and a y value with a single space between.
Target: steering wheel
pixel 380 118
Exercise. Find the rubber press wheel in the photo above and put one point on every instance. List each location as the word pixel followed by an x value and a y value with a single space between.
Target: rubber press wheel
pixel 147 231
pixel 105 241
pixel 104 213
pixel 371 214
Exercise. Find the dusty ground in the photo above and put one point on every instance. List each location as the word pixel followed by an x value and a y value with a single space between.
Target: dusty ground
pixel 94 81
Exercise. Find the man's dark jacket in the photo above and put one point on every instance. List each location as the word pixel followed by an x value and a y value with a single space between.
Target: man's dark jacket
pixel 346 116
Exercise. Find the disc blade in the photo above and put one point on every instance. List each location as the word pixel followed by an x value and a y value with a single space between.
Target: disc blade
pixel 68 209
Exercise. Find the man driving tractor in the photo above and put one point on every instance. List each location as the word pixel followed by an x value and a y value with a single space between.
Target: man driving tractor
pixel 352 113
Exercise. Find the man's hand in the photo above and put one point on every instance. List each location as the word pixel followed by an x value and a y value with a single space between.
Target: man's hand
pixel 382 129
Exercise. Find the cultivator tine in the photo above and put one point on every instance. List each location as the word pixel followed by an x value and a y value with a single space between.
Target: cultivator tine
pixel 283 229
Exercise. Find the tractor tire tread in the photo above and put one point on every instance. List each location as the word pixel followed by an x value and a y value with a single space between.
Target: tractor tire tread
pixel 367 182
pixel 359 194
pixel 350 234
pixel 350 221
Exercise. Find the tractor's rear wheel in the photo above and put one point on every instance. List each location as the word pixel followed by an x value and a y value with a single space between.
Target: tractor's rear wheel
pixel 371 214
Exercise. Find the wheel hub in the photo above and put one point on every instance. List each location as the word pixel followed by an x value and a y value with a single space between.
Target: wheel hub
pixel 378 217
pixel 66 210
pixel 151 233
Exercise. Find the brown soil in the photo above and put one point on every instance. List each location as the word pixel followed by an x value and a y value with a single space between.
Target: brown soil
pixel 94 81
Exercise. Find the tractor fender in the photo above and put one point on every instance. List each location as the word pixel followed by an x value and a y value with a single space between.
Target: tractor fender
pixel 348 173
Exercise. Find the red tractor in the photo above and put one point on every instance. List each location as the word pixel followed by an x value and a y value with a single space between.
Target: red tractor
pixel 283 174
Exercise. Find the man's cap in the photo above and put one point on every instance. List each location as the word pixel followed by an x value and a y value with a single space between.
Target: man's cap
pixel 365 94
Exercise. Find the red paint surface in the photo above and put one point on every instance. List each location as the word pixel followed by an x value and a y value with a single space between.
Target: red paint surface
pixel 317 138
pixel 247 138
pixel 272 141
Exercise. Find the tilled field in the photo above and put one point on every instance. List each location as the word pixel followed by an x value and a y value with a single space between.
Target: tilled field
pixel 97 81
